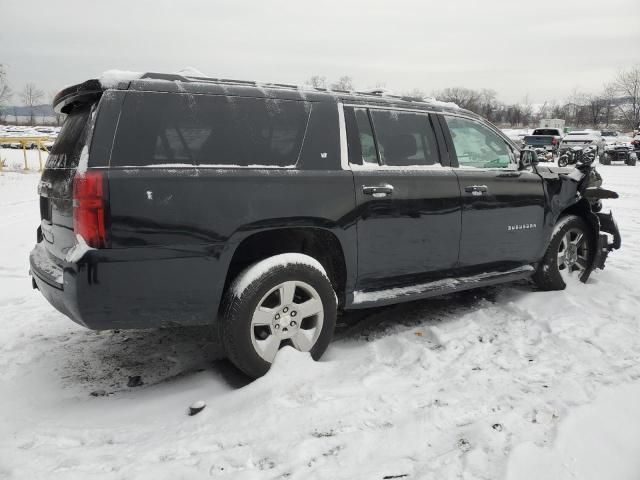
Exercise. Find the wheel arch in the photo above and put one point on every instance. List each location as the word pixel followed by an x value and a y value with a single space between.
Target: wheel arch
pixel 583 210
pixel 323 244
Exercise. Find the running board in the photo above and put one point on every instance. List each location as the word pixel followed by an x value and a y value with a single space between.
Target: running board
pixel 376 298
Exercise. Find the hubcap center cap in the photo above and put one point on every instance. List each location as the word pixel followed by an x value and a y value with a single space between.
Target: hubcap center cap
pixel 285 324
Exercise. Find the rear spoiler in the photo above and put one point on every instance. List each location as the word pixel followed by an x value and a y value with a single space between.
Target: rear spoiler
pixel 76 95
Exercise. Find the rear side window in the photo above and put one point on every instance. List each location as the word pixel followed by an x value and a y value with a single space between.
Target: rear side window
pixel 404 138
pixel 161 129
pixel 65 152
pixel 362 146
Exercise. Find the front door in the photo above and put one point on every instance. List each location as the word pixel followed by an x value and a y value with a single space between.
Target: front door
pixel 408 215
pixel 502 206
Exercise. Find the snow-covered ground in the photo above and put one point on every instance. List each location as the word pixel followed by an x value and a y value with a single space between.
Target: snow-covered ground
pixel 13 158
pixel 503 382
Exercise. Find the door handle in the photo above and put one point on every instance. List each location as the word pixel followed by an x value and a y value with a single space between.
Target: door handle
pixel 378 191
pixel 476 189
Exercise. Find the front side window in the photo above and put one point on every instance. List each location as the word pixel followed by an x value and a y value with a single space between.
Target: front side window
pixel 161 128
pixel 404 138
pixel 477 146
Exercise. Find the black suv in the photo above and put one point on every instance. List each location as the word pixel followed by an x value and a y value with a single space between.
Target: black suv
pixel 264 209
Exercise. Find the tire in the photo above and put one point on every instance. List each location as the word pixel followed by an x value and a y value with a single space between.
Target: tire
pixel 552 271
pixel 562 161
pixel 262 312
pixel 632 162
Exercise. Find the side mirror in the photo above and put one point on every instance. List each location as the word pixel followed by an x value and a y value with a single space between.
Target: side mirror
pixel 528 158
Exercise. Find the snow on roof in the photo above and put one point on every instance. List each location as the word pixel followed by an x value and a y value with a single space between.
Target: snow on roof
pixel 191 72
pixel 111 78
pixel 437 102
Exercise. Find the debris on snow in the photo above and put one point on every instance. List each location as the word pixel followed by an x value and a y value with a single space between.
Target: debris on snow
pixel 135 381
pixel 196 407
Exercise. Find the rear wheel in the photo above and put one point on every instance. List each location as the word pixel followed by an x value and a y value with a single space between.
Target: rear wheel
pixel 282 300
pixel 569 255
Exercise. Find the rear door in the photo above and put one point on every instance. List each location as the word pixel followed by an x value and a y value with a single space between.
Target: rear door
pixel 408 203
pixel 502 206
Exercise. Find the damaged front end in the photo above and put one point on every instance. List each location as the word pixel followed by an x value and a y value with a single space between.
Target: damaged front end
pixel 579 191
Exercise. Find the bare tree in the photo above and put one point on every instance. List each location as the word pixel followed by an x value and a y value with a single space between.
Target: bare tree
pixel 415 93
pixel 608 98
pixel 344 83
pixel 596 105
pixel 488 103
pixel 318 81
pixel 627 84
pixel 5 92
pixel 463 97
pixel 30 96
pixel 59 116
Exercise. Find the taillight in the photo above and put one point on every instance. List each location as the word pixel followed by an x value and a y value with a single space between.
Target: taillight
pixel 89 208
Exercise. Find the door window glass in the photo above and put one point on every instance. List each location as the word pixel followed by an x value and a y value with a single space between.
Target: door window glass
pixel 362 147
pixel 477 146
pixel 404 138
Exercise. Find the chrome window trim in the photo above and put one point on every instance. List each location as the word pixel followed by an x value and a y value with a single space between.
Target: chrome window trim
pixel 344 149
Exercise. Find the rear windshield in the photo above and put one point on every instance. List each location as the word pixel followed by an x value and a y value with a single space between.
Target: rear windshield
pixel 65 152
pixel 545 131
pixel 164 129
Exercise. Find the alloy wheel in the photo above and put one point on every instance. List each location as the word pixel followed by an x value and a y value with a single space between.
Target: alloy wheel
pixel 573 254
pixel 291 313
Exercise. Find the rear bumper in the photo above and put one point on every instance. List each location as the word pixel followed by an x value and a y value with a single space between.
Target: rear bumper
pixel 146 287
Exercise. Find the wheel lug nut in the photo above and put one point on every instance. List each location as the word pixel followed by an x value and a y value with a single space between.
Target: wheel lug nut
pixel 277 316
pixel 285 309
pixel 293 313
pixel 293 323
pixel 277 326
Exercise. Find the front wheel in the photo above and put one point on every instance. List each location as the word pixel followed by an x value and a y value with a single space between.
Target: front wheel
pixel 569 255
pixel 563 161
pixel 283 300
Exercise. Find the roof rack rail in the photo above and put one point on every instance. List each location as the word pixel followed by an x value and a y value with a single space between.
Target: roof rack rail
pixel 230 81
pixel 374 92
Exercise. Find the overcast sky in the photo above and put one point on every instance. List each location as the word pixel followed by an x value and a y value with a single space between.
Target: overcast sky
pixel 540 48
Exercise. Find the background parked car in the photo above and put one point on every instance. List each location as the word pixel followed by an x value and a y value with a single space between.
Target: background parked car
pixel 609 135
pixel 546 141
pixel 582 138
